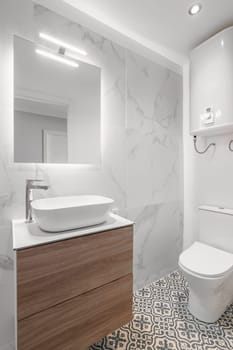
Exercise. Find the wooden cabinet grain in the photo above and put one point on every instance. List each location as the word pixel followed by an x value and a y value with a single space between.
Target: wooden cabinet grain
pixel 73 292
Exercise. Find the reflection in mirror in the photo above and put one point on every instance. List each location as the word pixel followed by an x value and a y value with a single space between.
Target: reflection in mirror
pixel 56 109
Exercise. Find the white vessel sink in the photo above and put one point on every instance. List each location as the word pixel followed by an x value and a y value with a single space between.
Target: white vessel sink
pixel 67 213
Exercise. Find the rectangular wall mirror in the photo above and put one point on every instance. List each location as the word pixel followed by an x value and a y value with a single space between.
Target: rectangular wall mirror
pixel 56 109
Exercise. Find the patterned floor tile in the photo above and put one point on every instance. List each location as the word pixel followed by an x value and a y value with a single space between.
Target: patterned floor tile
pixel 162 321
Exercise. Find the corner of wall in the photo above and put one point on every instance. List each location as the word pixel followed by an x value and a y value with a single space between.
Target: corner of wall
pixel 190 220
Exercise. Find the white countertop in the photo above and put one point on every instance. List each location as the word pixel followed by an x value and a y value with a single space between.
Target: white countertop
pixel 30 235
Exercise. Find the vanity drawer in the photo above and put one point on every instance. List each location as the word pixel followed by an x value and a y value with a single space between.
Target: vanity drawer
pixel 50 274
pixel 79 322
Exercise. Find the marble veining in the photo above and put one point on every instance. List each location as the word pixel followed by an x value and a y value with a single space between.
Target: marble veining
pixel 6 262
pixel 157 242
pixel 141 122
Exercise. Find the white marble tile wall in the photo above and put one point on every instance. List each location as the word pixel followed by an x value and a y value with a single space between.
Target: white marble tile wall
pixel 158 240
pixel 141 149
pixel 154 167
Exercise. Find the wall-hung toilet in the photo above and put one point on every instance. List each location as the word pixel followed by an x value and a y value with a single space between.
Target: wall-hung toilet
pixel 208 264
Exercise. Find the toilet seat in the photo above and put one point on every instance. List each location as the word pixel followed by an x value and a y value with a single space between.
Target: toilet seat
pixel 206 261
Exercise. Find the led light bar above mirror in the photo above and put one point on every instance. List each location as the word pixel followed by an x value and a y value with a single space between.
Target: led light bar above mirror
pixel 62 44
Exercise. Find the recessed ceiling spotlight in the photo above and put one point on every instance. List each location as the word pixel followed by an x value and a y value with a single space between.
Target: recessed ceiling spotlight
pixel 195 9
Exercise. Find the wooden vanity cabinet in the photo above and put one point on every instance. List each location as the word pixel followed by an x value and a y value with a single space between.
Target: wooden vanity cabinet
pixel 73 292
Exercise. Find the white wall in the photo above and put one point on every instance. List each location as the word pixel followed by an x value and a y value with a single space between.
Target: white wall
pixel 141 150
pixel 190 207
pixel 207 177
pixel 208 180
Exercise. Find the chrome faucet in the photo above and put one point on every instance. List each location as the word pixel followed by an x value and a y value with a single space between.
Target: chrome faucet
pixel 31 185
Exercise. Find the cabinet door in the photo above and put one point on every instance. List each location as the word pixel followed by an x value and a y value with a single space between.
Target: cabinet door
pixel 50 274
pixel 80 321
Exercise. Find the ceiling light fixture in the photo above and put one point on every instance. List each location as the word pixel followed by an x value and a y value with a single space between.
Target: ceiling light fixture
pixel 62 43
pixel 195 9
pixel 57 58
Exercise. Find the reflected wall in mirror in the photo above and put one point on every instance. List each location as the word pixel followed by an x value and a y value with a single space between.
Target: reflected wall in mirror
pixel 56 109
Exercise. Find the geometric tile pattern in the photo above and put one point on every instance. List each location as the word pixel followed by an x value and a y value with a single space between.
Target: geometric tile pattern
pixel 162 321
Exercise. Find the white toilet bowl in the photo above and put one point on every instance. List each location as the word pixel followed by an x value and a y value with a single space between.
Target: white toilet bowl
pixel 209 272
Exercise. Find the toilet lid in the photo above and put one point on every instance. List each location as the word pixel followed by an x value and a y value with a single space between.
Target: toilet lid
pixel 205 260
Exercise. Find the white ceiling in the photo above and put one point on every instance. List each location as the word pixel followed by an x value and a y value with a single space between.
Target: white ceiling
pixel 163 22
